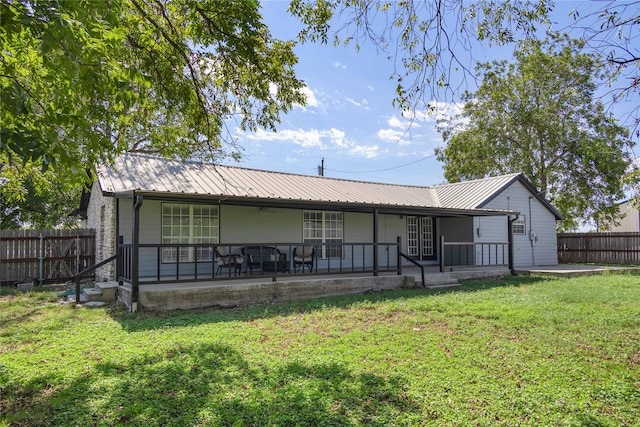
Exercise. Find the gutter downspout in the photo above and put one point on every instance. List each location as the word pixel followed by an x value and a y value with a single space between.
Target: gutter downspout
pixel 375 242
pixel 116 237
pixel 135 249
pixel 533 243
pixel 510 240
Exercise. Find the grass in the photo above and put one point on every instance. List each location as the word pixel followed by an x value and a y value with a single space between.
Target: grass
pixel 519 351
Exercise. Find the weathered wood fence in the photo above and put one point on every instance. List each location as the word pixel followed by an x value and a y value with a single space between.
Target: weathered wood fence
pixel 45 255
pixel 604 248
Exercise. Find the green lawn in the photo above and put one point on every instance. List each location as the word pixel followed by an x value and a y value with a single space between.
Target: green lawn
pixel 519 351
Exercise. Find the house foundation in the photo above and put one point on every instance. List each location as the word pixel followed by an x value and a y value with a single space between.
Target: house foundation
pixel 233 293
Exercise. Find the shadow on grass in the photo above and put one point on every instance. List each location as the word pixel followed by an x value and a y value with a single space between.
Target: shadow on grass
pixel 212 385
pixel 141 321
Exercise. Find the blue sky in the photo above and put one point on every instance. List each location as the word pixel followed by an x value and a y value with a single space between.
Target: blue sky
pixel 349 119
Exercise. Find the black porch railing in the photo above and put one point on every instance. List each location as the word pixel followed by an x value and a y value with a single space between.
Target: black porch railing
pixel 158 263
pixel 473 254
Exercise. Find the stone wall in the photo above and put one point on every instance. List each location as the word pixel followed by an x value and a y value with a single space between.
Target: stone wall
pixel 101 217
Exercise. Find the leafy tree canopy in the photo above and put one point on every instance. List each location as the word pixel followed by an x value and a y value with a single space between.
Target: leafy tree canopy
pixel 538 116
pixel 84 80
pixel 431 42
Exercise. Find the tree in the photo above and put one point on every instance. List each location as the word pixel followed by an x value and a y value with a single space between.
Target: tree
pixel 40 199
pixel 538 116
pixel 84 80
pixel 431 42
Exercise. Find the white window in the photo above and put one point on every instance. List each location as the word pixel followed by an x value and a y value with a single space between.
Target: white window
pixel 189 224
pixel 323 227
pixel 518 226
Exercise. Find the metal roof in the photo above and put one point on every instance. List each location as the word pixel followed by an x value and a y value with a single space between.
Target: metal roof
pixel 477 193
pixel 472 194
pixel 171 178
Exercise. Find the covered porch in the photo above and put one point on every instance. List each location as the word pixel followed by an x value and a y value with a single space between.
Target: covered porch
pixel 217 272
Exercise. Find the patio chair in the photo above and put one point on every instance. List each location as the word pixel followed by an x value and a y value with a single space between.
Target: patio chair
pixel 227 260
pixel 265 259
pixel 303 257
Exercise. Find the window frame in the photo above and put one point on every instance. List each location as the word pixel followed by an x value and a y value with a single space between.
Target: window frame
pixel 519 224
pixel 192 219
pixel 330 230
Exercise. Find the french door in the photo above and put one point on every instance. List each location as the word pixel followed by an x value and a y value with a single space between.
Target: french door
pixel 420 237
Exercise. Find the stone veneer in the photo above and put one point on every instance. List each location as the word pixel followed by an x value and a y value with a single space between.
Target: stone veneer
pixel 101 217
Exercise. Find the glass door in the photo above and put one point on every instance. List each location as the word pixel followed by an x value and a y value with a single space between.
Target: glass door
pixel 420 238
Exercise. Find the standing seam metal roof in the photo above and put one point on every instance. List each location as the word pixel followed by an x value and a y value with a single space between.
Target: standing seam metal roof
pixel 157 175
pixel 151 174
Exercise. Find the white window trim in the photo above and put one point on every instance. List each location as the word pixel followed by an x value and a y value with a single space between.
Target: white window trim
pixel 520 223
pixel 169 256
pixel 322 254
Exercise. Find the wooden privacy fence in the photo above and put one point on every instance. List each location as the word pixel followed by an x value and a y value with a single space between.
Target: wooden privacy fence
pixel 602 248
pixel 45 255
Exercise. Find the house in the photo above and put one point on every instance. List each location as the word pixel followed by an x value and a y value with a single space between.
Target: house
pixel 171 217
pixel 629 221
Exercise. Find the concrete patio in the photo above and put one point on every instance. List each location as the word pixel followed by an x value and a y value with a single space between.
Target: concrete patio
pixel 575 270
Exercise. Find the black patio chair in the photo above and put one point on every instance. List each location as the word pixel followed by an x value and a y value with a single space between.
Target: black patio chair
pixel 303 256
pixel 265 259
pixel 227 260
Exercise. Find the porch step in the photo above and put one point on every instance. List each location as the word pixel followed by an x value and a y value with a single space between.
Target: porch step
pixel 438 280
pixel 102 291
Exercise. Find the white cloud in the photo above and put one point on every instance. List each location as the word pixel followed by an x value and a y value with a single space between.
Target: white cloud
pixel 366 151
pixel 363 103
pixel 307 139
pixel 314 139
pixel 392 135
pixel 339 65
pixel 273 89
pixel 371 88
pixel 438 111
pixel 337 137
pixel 312 101
pixel 395 122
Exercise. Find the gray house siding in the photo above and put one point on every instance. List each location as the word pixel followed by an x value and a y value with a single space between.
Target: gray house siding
pixel 489 230
pixel 240 224
pixel 542 249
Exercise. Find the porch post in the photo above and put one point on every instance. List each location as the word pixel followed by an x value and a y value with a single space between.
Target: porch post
pixel 120 259
pixel 135 249
pixel 399 257
pixel 375 242
pixel 441 254
pixel 510 240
